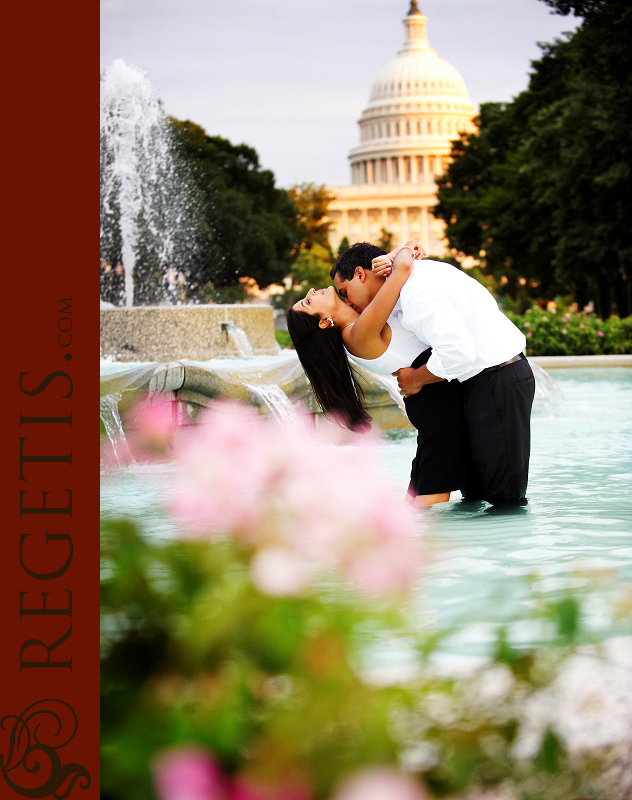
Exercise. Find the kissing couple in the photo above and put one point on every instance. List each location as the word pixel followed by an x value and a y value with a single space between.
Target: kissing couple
pixel 459 361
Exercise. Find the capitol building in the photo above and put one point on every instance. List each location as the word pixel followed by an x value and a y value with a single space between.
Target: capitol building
pixel 417 105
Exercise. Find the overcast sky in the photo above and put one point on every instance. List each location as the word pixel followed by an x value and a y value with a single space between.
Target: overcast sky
pixel 291 77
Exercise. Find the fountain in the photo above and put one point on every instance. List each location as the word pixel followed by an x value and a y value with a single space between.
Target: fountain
pixel 147 207
pixel 148 237
pixel 148 231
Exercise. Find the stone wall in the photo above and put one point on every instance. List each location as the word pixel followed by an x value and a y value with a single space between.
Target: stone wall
pixel 165 333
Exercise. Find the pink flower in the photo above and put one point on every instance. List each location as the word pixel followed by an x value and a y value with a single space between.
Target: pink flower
pixel 381 783
pixel 526 324
pixel 278 572
pixel 581 324
pixel 188 773
pixel 152 429
pixel 564 331
pixel 567 316
pixel 529 334
pixel 600 333
pixel 248 787
pixel 283 493
pixel 545 319
pixel 228 467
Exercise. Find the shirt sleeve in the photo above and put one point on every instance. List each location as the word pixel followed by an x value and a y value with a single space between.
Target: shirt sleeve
pixel 433 319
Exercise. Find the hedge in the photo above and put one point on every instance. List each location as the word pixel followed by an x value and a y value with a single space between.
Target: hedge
pixel 568 333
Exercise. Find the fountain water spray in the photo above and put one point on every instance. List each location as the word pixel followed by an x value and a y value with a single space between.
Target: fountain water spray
pixel 147 209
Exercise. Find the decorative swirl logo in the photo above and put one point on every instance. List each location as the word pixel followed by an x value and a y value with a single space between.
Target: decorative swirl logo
pixel 32 767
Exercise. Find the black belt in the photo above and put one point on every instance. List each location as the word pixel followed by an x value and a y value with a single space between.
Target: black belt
pixel 504 364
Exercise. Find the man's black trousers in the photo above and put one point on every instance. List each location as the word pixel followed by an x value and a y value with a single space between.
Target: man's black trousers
pixel 497 405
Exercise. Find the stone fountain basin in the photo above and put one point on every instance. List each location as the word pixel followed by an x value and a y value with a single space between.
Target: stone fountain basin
pixel 196 385
pixel 165 333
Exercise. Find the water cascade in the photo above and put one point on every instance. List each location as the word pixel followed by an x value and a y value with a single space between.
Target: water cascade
pixel 146 199
pixel 547 392
pixel 276 401
pixel 239 339
pixel 114 428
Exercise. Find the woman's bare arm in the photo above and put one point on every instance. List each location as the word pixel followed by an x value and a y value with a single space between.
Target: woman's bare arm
pixel 372 320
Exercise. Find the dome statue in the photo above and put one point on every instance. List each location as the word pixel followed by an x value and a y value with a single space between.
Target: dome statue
pixel 417 105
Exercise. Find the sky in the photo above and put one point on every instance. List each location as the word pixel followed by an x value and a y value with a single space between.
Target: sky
pixel 291 77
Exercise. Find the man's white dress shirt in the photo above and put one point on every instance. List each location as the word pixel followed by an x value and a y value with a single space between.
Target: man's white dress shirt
pixel 458 317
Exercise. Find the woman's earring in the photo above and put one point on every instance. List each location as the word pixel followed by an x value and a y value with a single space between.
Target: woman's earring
pixel 331 322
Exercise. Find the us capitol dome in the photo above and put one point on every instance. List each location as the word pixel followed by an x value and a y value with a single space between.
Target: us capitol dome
pixel 418 104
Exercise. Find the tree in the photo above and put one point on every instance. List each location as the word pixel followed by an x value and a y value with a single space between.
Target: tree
pixel 313 267
pixel 247 227
pixel 487 202
pixel 542 191
pixel 344 245
pixel 581 155
pixel 311 203
pixel 386 240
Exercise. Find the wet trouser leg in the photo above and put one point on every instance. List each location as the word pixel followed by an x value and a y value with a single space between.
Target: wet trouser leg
pixel 497 406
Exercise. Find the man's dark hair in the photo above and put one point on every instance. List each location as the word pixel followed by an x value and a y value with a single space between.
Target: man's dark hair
pixel 359 254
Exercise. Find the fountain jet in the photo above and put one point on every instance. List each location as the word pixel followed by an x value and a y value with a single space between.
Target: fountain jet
pixel 147 208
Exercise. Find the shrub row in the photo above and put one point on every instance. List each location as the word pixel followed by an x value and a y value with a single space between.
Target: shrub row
pixel 568 333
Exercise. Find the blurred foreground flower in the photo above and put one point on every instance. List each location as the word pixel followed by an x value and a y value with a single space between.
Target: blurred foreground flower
pixel 188 774
pixel 296 501
pixel 152 430
pixel 381 783
pixel 194 774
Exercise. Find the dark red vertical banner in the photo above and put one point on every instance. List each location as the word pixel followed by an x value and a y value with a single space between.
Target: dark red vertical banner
pixel 50 536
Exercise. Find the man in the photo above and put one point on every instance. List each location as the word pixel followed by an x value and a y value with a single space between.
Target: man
pixel 473 342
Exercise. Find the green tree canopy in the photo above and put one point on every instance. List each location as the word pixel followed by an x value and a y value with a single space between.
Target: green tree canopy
pixel 311 203
pixel 542 191
pixel 386 240
pixel 344 245
pixel 313 267
pixel 247 226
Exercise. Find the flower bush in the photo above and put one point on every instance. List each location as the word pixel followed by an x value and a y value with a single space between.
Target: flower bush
pixel 562 332
pixel 234 656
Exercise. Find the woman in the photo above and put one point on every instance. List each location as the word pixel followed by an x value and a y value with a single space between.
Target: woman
pixel 326 331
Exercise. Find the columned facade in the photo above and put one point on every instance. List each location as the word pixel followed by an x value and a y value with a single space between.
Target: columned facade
pixel 417 105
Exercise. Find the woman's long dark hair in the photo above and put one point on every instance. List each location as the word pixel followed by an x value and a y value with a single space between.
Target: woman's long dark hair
pixel 322 356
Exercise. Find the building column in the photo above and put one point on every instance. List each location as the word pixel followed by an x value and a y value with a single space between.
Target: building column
pixel 364 227
pixel 425 230
pixel 403 226
pixel 370 177
pixel 414 169
pixel 400 169
pixel 344 224
pixel 389 171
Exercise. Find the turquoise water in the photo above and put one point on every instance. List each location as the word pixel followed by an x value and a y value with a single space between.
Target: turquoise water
pixel 575 534
pixel 485 569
